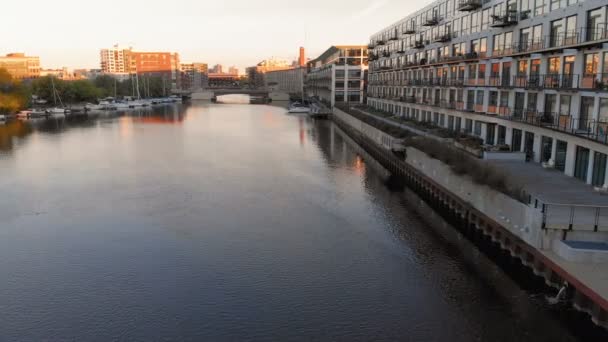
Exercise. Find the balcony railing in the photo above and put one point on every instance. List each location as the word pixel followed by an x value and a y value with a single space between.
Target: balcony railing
pixel 468 5
pixel 418 44
pixel 443 38
pixel 447 104
pixel 409 31
pixel 432 21
pixel 504 19
pixel 386 54
pixel 380 42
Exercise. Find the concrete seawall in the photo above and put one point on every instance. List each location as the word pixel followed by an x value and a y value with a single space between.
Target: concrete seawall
pixel 508 231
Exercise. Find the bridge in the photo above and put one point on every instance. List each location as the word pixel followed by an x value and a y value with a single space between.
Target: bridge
pixel 211 93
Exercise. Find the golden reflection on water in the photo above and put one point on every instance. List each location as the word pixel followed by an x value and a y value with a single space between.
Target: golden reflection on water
pixel 11 130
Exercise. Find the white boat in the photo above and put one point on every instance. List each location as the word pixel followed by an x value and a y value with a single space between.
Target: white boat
pixel 57 110
pixel 121 105
pixel 175 99
pixel 2 118
pixel 298 108
pixel 93 107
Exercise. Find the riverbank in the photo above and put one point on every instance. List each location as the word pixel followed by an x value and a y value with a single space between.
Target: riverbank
pixel 517 229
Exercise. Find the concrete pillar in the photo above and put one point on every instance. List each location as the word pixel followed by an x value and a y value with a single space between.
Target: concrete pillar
pixel 484 132
pixel 537 148
pixel 509 137
pixel 606 177
pixel 590 167
pixel 570 159
pixel 553 150
pixel 496 134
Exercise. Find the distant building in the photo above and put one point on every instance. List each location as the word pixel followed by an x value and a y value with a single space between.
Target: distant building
pixel 194 76
pixel 122 62
pixel 302 59
pixel 233 71
pixel 90 74
pixel 116 60
pixel 289 81
pixel 21 66
pixel 338 75
pixel 217 69
pixel 257 73
pixel 62 74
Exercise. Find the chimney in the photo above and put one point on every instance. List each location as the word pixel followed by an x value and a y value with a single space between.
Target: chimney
pixel 302 57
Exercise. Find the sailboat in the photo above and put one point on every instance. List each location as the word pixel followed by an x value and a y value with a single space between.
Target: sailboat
pixel 57 111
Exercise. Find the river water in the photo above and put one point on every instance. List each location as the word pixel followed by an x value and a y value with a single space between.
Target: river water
pixel 229 222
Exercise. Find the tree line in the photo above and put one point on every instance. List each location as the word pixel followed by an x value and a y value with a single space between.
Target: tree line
pixel 16 95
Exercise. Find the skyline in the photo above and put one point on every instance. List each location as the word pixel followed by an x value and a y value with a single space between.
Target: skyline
pixel 263 29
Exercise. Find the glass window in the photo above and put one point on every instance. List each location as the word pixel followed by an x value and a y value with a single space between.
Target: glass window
pixel 539 7
pixel 479 97
pixel 493 100
pixel 483 46
pixel 522 67
pixel 481 74
pixel 565 105
pixel 555 4
pixel 553 66
pixel 591 62
pixel 603 116
pixel 485 19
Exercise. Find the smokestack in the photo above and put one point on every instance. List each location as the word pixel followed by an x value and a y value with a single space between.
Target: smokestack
pixel 302 57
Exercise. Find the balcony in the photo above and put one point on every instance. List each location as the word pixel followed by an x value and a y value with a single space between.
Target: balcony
pixel 447 104
pixel 498 81
pixel 468 5
pixel 552 81
pixel 594 82
pixel 371 46
pixel 380 43
pixel 505 19
pixel 386 54
pixel 409 99
pixel 419 44
pixel 564 39
pixel 443 38
pixel 432 21
pixel 409 31
pixel 598 32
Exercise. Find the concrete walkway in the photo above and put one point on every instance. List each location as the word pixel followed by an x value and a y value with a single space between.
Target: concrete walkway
pixel 551 186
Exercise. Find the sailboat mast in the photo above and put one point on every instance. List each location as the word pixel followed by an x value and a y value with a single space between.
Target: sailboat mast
pixel 137 86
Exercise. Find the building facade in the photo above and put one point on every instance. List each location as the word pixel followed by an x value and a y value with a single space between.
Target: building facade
pixel 290 81
pixel 530 75
pixel 338 75
pixel 194 76
pixel 116 61
pixel 257 74
pixel 123 62
pixel 21 66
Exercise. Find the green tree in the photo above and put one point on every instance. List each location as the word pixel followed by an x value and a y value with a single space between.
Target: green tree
pixel 13 94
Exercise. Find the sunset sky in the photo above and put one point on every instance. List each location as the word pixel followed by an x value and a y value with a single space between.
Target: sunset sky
pixel 231 32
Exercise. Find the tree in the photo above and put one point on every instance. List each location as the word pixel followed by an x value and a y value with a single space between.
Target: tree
pixel 13 95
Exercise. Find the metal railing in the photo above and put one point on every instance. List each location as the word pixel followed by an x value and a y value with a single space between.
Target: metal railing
pixel 468 5
pixel 574 217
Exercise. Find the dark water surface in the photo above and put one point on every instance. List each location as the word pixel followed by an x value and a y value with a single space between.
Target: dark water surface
pixel 229 223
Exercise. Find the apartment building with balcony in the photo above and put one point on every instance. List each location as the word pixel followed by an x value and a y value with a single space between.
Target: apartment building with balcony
pixel 528 74
pixel 338 75
pixel 20 66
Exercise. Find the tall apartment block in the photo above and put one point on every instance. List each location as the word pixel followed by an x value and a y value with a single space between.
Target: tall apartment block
pixel 338 75
pixel 528 74
pixel 123 62
pixel 21 66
